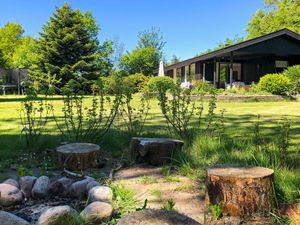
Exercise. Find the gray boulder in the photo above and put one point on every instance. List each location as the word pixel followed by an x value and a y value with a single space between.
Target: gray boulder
pixel 100 193
pixel 78 189
pixel 58 215
pixel 97 212
pixel 12 182
pixel 92 184
pixel 61 186
pixel 9 195
pixel 40 187
pixel 10 219
pixel 26 184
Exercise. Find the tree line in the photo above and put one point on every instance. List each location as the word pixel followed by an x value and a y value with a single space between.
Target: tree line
pixel 68 47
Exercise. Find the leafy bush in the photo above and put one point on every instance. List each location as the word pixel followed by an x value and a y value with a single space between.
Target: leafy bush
pixel 136 82
pixel 160 84
pixel 293 73
pixel 202 87
pixel 275 84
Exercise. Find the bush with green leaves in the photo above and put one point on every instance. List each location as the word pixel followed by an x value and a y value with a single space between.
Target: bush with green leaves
pixel 160 84
pixel 202 87
pixel 136 82
pixel 293 73
pixel 276 84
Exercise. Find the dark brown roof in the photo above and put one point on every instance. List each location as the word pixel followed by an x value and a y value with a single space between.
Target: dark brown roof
pixel 234 47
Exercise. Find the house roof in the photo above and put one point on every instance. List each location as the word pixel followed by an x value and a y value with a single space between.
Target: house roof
pixel 235 47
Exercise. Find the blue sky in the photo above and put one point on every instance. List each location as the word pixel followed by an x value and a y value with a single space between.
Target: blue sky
pixel 189 26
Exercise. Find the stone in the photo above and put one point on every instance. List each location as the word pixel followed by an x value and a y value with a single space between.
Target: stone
pixel 155 151
pixel 78 189
pixel 26 184
pixel 9 195
pixel 97 212
pixel 156 217
pixel 41 187
pixel 100 193
pixel 12 182
pixel 92 184
pixel 58 215
pixel 61 187
pixel 10 219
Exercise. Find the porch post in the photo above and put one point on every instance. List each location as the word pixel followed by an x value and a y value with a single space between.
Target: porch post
pixel 231 69
pixel 203 74
pixel 215 67
pixel 174 73
pixel 189 74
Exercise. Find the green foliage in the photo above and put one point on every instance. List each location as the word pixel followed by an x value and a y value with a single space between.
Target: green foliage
pixel 34 115
pixel 280 14
pixel 293 73
pixel 275 84
pixel 140 60
pixel 68 48
pixel 160 84
pixel 124 200
pixel 152 38
pixel 169 205
pixel 81 122
pixel 216 210
pixel 10 39
pixel 23 171
pixel 202 87
pixel 136 82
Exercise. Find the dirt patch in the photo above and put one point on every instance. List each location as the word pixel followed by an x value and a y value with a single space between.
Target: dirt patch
pixel 149 183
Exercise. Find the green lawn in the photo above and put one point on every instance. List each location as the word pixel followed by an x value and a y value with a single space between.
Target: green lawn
pixel 239 124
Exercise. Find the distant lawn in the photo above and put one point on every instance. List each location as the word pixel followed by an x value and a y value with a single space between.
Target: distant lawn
pixel 239 121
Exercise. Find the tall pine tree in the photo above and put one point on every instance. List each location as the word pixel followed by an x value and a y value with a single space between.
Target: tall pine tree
pixel 68 49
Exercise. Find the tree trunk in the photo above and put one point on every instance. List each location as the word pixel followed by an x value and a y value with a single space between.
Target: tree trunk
pixel 78 156
pixel 240 191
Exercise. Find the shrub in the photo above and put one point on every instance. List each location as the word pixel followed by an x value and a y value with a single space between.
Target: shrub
pixel 157 84
pixel 275 84
pixel 136 82
pixel 202 87
pixel 293 73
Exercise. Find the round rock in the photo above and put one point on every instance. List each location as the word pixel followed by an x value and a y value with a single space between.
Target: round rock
pixel 92 184
pixel 100 193
pixel 78 189
pixel 156 217
pixel 12 182
pixel 10 219
pixel 97 212
pixel 61 186
pixel 26 184
pixel 41 187
pixel 59 215
pixel 9 195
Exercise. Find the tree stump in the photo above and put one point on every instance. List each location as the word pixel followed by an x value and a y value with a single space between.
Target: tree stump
pixel 155 151
pixel 241 191
pixel 78 156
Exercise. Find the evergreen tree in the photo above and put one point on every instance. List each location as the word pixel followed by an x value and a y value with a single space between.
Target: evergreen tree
pixel 68 49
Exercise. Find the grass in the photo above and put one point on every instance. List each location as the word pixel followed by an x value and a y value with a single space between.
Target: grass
pixel 233 147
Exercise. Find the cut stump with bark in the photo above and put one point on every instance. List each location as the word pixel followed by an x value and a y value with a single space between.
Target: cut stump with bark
pixel 240 191
pixel 155 151
pixel 78 156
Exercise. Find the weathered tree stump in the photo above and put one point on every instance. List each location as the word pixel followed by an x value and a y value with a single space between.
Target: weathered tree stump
pixel 241 191
pixel 155 151
pixel 78 156
pixel 156 217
